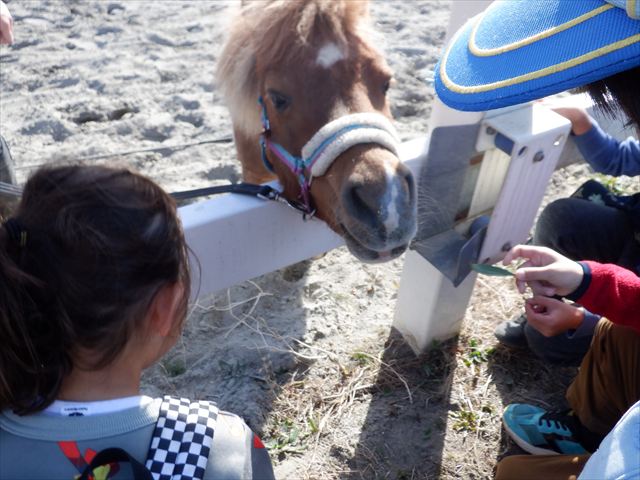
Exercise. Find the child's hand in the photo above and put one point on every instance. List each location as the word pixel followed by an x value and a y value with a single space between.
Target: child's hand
pixel 552 317
pixel 580 120
pixel 6 25
pixel 546 272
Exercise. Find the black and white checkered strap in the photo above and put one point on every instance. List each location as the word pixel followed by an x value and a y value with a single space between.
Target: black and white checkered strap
pixel 182 439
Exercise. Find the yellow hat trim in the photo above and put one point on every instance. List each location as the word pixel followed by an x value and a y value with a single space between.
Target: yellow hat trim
pixel 531 75
pixel 480 52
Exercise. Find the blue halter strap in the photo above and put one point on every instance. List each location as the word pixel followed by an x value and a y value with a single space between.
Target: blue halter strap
pixel 295 164
pixel 303 166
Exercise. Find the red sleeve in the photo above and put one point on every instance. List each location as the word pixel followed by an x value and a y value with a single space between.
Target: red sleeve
pixel 614 292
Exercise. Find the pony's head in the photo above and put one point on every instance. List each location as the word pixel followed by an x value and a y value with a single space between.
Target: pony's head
pixel 303 77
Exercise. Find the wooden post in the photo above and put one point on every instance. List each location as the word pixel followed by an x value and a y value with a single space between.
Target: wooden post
pixel 429 306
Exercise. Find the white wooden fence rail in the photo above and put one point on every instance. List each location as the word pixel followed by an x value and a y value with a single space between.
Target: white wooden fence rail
pixel 237 238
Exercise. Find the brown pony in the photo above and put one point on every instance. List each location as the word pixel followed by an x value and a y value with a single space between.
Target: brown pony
pixel 310 64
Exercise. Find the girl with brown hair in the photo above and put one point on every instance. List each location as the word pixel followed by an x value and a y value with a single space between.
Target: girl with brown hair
pixel 94 287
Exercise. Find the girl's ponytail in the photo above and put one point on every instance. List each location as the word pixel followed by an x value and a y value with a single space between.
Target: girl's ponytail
pixel 88 249
pixel 32 358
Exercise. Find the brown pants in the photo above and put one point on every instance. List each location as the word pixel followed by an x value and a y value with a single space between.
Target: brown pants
pixel 607 385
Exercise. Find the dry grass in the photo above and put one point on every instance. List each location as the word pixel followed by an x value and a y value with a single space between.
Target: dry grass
pixel 456 392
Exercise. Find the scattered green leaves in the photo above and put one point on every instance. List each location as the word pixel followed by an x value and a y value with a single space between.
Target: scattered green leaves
pixel 491 270
pixel 466 420
pixel 313 425
pixel 362 358
pixel 615 185
pixel 477 354
pixel 286 438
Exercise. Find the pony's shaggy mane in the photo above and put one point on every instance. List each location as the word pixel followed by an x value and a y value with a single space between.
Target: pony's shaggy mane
pixel 272 30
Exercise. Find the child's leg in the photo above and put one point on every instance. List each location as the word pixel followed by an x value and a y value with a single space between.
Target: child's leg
pixel 580 229
pixel 558 350
pixel 536 467
pixel 608 383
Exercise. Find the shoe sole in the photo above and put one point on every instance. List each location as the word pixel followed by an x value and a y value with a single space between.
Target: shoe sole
pixel 527 447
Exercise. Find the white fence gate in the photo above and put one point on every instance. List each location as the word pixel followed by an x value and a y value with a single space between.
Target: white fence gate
pixel 489 166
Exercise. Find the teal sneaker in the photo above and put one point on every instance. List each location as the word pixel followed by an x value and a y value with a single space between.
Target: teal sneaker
pixel 543 433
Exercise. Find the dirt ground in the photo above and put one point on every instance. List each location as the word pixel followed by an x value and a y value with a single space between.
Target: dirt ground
pixel 306 354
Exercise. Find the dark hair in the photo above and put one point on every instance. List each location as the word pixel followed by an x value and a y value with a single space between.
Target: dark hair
pixel 83 257
pixel 618 92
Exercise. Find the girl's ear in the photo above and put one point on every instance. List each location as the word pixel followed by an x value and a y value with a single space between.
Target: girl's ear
pixel 162 315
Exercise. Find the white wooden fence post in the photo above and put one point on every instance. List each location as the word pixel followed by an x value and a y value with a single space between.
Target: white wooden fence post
pixel 508 187
pixel 236 238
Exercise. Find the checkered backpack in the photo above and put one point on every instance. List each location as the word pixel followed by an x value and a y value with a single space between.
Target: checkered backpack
pixel 180 444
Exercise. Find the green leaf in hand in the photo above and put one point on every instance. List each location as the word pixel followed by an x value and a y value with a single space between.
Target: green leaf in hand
pixel 491 270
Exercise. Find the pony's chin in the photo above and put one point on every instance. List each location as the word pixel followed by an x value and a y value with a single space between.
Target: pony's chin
pixel 368 255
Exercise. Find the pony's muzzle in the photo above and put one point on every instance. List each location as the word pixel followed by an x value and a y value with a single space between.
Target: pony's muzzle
pixel 380 213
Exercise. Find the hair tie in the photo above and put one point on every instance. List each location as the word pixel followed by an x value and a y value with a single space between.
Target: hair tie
pixel 16 231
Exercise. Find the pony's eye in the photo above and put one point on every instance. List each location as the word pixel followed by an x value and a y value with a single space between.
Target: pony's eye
pixel 385 87
pixel 279 100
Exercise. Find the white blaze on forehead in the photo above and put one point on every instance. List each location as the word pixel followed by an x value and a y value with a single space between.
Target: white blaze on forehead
pixel 392 222
pixel 328 55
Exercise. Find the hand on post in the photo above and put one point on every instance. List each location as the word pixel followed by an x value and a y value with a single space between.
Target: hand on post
pixel 580 120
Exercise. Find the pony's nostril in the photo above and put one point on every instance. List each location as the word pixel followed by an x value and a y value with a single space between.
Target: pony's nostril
pixel 407 176
pixel 411 186
pixel 363 199
pixel 362 203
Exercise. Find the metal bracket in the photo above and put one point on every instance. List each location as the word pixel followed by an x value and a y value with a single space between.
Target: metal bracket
pixel 533 137
pixel 452 253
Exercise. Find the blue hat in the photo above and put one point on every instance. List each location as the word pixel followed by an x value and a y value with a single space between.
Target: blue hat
pixel 521 50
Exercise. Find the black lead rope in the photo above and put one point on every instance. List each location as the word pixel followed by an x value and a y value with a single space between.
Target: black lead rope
pixel 261 191
pixel 264 192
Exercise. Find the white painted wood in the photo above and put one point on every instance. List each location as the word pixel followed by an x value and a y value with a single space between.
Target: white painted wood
pixel 429 307
pixel 443 116
pixel 461 11
pixel 493 171
pixel 235 238
pixel 539 135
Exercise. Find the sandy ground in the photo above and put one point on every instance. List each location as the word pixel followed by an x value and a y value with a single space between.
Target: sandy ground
pixel 306 354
